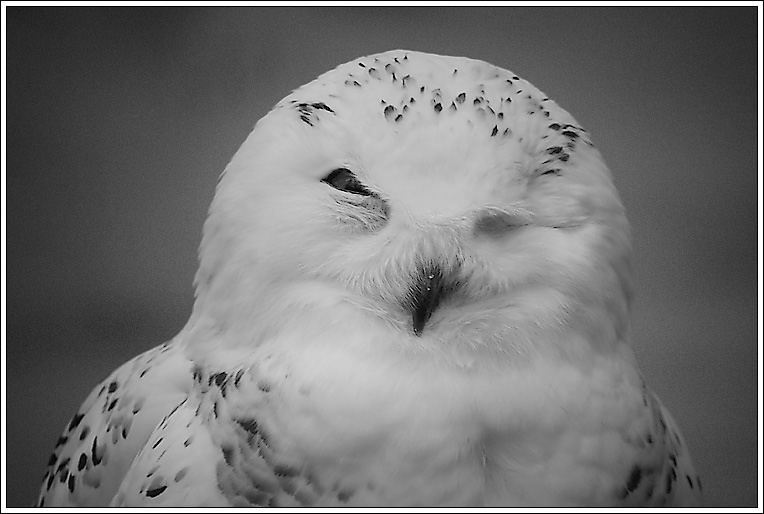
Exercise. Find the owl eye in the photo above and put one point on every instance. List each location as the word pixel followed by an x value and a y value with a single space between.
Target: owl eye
pixel 344 180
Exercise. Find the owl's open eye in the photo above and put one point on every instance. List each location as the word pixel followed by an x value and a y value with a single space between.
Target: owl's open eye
pixel 344 180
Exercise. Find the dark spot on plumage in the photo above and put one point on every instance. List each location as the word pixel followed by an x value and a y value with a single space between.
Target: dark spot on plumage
pixel 394 77
pixel 509 100
pixel 124 432
pixel 649 439
pixel 412 100
pixel 157 442
pixel 477 101
pixel 697 479
pixel 52 459
pixel 554 171
pixel 219 378
pixel 634 478
pixel 554 150
pixel 546 114
pixel 82 462
pixel 196 373
pixel 248 424
pixel 70 483
pixel 61 441
pixel 570 134
pixel 112 404
pixel 362 65
pixel 399 117
pixel 672 458
pixel 228 454
pixel 405 109
pixel 41 503
pixel 50 481
pixel 421 89
pixel 143 373
pixel 490 110
pixel 500 115
pixel 187 442
pixel 495 130
pixel 322 106
pixel 100 391
pixel 438 107
pixel 62 465
pixel 152 493
pixel 389 111
pixel 343 495
pixel 356 84
pixel 461 97
pixel 64 475
pixel 113 386
pixel 96 453
pixel 239 374
pixel 264 386
pixel 564 157
pixel 669 483
pixel 75 421
pixel 180 474
pixel 215 409
pixel 673 474
pixel 404 79
pixel 662 422
pixel 689 481
pixel 506 131
pixel 452 107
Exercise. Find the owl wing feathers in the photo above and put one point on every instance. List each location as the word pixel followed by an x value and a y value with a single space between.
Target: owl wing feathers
pixel 662 473
pixel 111 427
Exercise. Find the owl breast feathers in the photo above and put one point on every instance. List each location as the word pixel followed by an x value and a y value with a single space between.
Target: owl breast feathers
pixel 414 290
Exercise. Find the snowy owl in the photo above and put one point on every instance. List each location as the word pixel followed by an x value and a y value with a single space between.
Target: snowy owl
pixel 414 289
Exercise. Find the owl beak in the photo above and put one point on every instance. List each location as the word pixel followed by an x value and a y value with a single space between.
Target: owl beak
pixel 426 293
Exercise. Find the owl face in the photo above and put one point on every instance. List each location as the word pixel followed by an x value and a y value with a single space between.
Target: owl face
pixel 442 197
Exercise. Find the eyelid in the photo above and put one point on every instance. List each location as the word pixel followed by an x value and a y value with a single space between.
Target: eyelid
pixel 345 180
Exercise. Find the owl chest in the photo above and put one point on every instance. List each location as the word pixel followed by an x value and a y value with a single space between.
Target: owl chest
pixel 333 433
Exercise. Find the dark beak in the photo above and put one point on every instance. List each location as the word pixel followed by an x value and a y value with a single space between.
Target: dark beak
pixel 426 293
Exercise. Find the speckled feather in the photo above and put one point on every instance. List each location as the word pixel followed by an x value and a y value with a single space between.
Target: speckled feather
pixel 447 324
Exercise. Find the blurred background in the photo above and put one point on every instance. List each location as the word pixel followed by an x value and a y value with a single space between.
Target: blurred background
pixel 120 120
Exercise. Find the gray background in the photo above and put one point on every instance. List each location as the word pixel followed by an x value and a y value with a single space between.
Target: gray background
pixel 121 119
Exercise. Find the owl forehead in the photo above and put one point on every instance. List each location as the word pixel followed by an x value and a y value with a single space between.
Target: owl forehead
pixel 400 93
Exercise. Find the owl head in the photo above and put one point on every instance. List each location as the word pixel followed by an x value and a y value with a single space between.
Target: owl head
pixel 433 204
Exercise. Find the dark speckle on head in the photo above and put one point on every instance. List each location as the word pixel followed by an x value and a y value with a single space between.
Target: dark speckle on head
pixel 389 112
